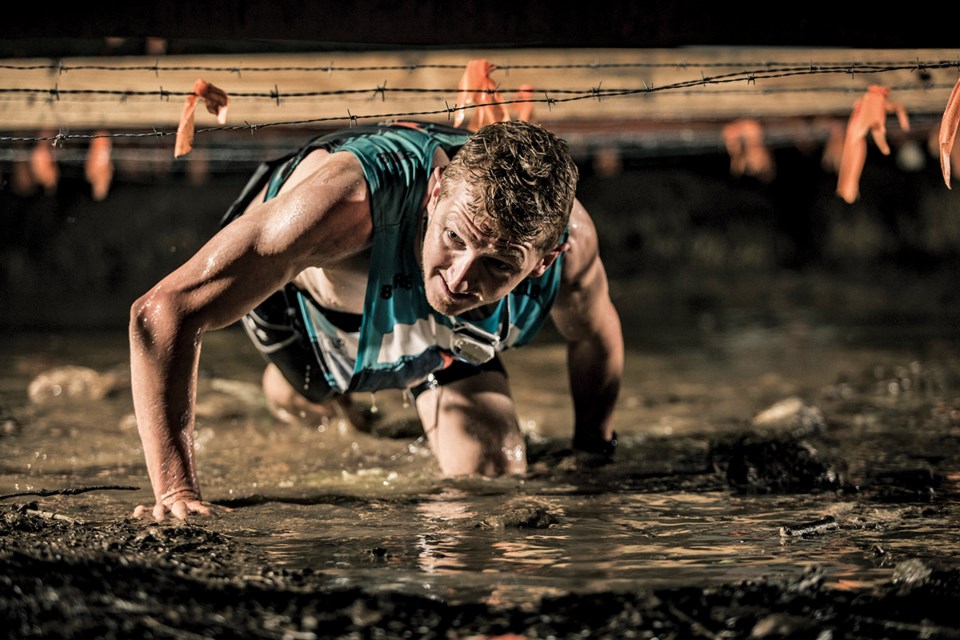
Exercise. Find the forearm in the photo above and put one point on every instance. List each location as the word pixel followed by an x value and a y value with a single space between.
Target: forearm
pixel 163 364
pixel 585 315
pixel 596 370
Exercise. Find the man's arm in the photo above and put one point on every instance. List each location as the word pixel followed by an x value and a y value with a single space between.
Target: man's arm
pixel 322 219
pixel 586 317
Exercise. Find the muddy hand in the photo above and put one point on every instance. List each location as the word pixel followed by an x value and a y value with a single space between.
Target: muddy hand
pixel 180 506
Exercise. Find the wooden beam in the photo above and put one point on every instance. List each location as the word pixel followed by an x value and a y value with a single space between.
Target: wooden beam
pixel 572 87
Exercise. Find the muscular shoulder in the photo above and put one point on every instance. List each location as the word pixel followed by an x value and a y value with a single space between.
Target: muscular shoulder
pixel 340 169
pixel 584 250
pixel 322 213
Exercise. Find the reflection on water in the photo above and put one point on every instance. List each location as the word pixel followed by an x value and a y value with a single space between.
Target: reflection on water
pixel 369 510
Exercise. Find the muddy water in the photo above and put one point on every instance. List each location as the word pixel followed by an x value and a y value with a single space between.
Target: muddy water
pixel 867 380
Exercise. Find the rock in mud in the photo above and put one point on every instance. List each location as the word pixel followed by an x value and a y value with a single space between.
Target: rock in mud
pixel 76 382
pixel 791 415
pixel 757 466
pixel 520 517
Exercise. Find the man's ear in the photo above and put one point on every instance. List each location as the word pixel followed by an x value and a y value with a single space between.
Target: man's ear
pixel 548 259
pixel 433 192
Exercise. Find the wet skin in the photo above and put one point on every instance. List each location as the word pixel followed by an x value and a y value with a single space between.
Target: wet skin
pixel 321 220
pixel 466 267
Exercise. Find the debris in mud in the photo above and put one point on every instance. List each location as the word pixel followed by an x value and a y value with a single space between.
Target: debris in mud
pixel 903 485
pixel 809 528
pixel 759 466
pixel 379 554
pixel 519 517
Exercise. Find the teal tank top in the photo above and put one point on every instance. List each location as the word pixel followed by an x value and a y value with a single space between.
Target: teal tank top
pixel 402 339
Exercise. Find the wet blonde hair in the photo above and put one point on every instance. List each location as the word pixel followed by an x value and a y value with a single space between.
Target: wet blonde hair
pixel 522 181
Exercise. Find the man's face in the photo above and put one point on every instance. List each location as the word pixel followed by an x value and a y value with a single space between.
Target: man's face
pixel 465 265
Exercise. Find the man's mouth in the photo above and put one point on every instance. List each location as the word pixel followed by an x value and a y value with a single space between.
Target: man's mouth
pixel 453 295
pixel 450 302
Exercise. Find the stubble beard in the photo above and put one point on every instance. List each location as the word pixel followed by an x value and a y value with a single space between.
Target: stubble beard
pixel 449 306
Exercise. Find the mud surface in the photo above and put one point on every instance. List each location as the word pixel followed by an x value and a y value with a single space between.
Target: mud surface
pixel 62 577
pixel 774 479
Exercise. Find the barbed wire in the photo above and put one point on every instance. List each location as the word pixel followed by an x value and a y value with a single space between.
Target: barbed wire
pixel 59 66
pixel 380 91
pixel 763 71
pixel 784 71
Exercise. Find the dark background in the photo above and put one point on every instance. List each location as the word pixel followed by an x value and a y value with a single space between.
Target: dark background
pixel 282 25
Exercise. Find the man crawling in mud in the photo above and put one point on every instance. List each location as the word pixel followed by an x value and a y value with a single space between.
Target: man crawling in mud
pixel 395 256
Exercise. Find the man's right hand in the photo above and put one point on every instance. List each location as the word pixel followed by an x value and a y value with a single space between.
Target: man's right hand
pixel 179 505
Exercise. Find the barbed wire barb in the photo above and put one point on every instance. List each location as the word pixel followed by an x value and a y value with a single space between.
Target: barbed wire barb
pixel 596 90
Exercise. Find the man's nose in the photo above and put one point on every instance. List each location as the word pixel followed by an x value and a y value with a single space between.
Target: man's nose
pixel 458 273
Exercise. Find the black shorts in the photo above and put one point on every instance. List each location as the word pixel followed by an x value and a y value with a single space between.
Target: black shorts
pixel 277 330
pixel 457 371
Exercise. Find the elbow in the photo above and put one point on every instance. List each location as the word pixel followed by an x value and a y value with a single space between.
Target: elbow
pixel 144 321
pixel 155 321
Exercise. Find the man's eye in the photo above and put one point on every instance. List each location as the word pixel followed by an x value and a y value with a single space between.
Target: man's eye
pixel 503 267
pixel 453 237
